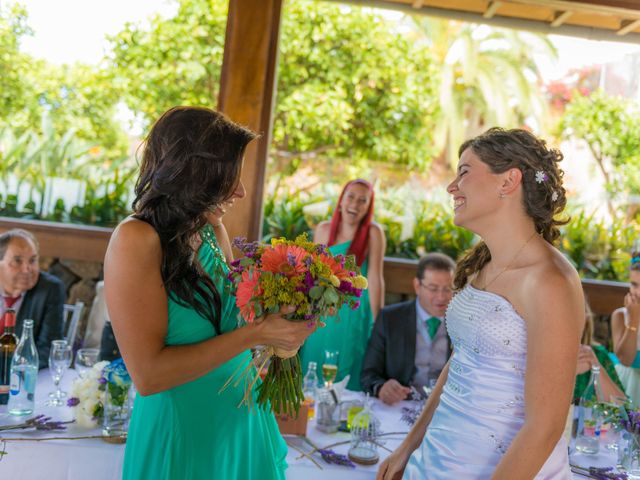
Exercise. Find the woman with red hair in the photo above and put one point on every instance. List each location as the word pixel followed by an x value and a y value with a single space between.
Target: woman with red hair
pixel 351 231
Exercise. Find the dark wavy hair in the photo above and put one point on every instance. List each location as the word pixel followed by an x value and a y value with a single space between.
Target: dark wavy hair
pixel 191 162
pixel 543 200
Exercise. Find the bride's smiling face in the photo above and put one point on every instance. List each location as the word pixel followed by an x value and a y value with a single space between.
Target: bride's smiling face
pixel 475 191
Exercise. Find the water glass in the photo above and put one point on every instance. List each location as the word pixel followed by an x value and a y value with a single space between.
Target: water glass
pixel 59 362
pixel 86 358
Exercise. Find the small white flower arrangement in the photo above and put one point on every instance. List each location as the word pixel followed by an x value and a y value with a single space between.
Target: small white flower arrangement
pixel 87 395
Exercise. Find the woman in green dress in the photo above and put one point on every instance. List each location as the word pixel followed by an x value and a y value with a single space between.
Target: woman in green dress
pixel 590 354
pixel 351 231
pixel 174 315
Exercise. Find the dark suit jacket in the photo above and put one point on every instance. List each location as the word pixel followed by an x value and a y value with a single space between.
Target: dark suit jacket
pixel 43 304
pixel 391 351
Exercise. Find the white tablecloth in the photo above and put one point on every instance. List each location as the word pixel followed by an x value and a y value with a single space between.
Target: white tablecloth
pixel 95 459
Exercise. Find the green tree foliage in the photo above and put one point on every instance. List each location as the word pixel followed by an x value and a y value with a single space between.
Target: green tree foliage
pixel 15 91
pixel 489 78
pixel 76 97
pixel 610 126
pixel 351 86
pixel 171 61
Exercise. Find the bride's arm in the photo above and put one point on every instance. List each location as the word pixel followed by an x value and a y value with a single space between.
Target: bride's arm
pixel 394 464
pixel 555 318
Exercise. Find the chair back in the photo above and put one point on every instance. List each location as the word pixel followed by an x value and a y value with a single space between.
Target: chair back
pixel 71 319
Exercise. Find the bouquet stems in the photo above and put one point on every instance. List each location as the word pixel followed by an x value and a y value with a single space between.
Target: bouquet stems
pixel 282 386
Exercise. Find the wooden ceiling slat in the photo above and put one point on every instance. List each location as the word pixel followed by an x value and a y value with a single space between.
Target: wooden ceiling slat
pixel 492 8
pixel 628 26
pixel 561 17
pixel 612 20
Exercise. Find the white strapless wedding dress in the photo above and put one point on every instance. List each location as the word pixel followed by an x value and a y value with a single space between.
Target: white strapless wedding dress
pixel 482 405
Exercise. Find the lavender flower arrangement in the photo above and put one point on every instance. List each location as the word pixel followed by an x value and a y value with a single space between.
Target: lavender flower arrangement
pixel 39 422
pixel 334 458
pixel 599 473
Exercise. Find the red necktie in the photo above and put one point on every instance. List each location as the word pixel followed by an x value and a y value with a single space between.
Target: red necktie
pixel 8 303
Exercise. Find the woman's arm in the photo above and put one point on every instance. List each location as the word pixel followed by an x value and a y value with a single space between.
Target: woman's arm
pixel 394 465
pixel 137 305
pixel 375 275
pixel 555 319
pixel 625 338
pixel 587 357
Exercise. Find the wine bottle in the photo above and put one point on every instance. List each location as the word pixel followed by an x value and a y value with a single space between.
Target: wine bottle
pixel 8 344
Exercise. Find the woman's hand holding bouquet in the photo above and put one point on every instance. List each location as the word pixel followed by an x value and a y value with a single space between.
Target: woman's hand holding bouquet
pixel 305 282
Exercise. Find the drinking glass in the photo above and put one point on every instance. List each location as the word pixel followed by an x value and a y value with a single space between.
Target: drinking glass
pixel 86 358
pixel 59 362
pixel 330 367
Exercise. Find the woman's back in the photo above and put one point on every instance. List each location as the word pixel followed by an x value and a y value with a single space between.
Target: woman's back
pixel 194 430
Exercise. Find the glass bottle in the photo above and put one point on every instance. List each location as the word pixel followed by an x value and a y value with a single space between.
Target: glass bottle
pixel 24 373
pixel 589 415
pixel 8 344
pixel 310 388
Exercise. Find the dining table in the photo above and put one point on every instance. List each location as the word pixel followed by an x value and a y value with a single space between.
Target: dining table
pixel 79 453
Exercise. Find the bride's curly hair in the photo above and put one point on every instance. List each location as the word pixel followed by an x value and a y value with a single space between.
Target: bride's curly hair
pixel 191 162
pixel 543 195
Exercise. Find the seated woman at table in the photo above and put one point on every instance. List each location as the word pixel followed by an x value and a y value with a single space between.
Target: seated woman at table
pixel 174 315
pixel 500 405
pixel 626 337
pixel 590 354
pixel 351 231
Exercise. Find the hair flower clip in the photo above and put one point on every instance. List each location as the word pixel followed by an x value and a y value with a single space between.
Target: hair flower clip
pixel 554 196
pixel 541 176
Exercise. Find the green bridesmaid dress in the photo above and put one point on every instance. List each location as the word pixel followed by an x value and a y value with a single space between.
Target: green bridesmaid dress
pixel 347 332
pixel 194 431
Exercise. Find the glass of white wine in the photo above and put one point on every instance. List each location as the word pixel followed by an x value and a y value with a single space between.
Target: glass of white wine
pixel 330 367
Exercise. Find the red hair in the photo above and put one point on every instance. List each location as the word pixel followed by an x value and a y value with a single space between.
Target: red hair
pixel 360 242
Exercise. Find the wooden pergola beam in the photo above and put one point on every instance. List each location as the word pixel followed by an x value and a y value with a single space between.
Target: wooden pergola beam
pixel 492 8
pixel 247 96
pixel 627 26
pixel 560 17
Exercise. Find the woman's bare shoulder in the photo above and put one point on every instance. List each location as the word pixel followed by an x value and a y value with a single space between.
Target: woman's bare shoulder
pixel 321 232
pixel 137 236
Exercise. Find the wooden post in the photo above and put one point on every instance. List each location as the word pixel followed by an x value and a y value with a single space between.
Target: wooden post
pixel 246 96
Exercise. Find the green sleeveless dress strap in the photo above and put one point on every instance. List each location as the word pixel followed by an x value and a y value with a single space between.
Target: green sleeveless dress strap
pixel 195 431
pixel 347 332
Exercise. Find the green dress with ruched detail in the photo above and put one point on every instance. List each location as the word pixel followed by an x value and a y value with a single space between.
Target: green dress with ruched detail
pixel 195 431
pixel 347 332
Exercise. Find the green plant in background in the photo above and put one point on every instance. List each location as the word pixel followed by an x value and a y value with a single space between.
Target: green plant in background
pixel 610 126
pixel 284 217
pixel 597 250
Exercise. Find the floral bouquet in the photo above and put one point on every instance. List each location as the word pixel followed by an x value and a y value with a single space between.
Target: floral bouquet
pixel 104 383
pixel 298 273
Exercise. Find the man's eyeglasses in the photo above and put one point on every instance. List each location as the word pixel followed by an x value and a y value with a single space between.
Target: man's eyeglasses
pixel 434 289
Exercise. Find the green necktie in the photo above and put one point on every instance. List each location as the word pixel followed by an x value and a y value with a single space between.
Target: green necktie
pixel 432 325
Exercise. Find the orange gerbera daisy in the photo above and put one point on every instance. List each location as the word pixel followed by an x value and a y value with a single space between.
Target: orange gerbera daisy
pixel 248 288
pixel 335 266
pixel 285 259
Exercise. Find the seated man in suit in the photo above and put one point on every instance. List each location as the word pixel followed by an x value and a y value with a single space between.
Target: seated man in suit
pixel 409 345
pixel 29 292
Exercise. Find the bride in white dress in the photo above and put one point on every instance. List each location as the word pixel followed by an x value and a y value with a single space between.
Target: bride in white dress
pixel 499 408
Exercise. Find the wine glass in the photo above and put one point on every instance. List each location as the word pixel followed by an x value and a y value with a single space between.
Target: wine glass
pixel 86 358
pixel 59 362
pixel 330 367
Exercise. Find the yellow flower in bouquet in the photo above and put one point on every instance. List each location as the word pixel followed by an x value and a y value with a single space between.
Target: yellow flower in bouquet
pixel 290 272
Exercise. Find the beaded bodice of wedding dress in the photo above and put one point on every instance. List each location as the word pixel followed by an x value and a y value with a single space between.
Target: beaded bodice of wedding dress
pixel 481 408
